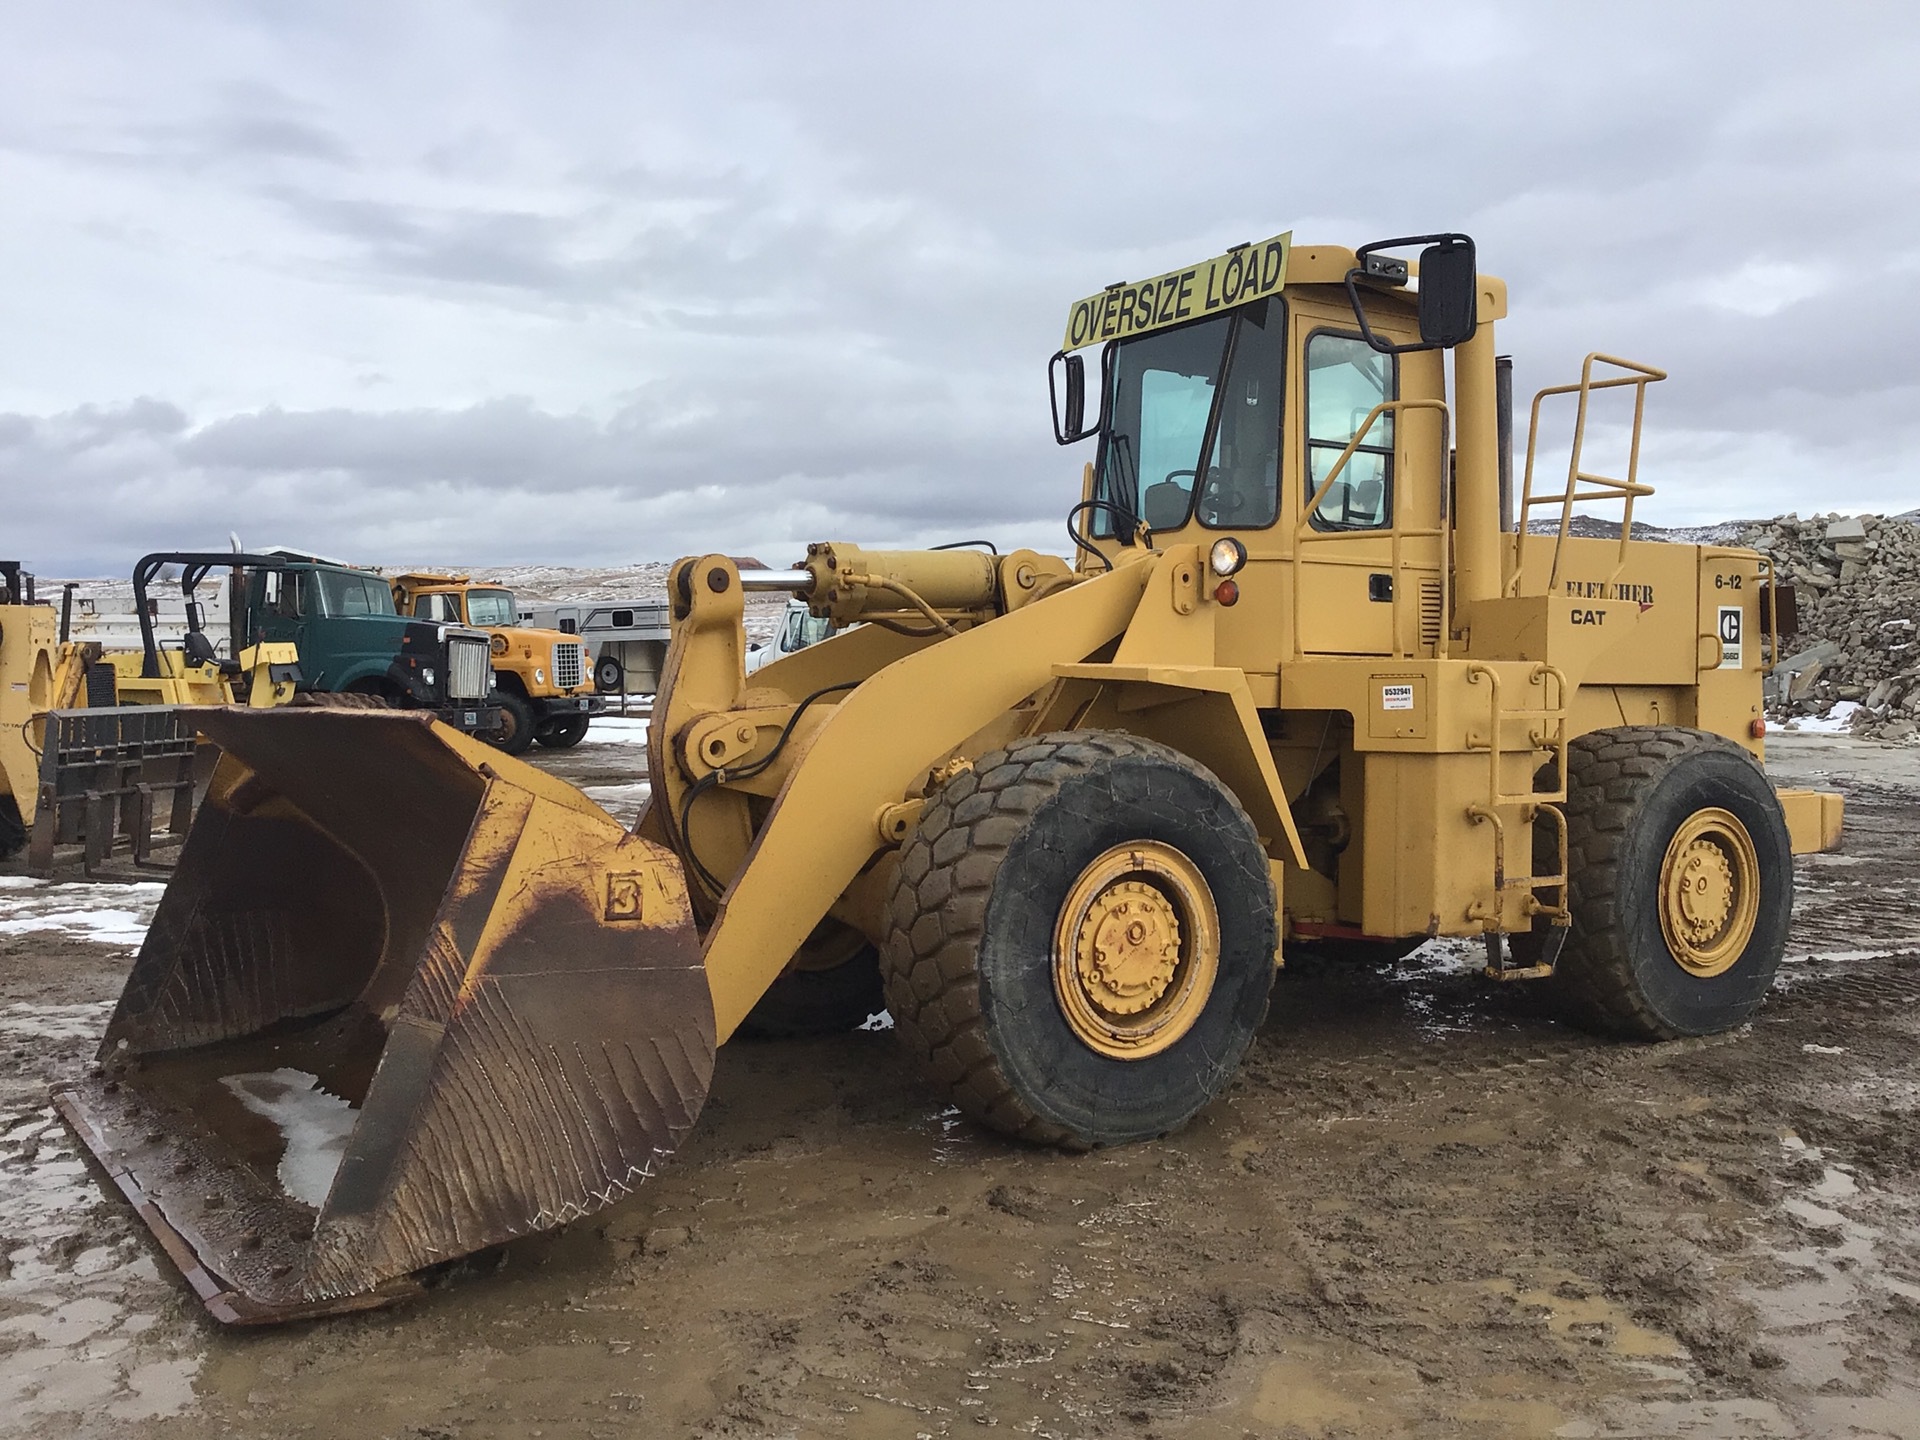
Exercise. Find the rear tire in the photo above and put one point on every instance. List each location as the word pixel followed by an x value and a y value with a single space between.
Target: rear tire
pixel 515 733
pixel 818 997
pixel 564 733
pixel 1012 964
pixel 608 675
pixel 1681 883
pixel 13 830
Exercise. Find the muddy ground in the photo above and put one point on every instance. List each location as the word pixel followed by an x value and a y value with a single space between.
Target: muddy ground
pixel 1424 1208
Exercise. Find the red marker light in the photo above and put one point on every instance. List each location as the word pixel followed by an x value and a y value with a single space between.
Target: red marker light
pixel 1227 592
pixel 1757 728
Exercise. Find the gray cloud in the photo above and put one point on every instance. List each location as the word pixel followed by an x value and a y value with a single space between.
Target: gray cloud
pixel 588 283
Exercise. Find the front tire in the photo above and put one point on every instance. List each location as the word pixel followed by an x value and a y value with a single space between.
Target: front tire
pixel 1082 938
pixel 516 723
pixel 1681 883
pixel 564 733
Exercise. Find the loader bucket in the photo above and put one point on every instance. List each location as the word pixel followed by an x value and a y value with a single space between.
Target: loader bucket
pixel 404 998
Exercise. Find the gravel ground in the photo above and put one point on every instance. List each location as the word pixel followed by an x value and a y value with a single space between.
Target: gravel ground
pixel 1424 1208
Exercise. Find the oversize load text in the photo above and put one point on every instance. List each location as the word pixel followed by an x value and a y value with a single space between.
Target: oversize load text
pixel 1243 274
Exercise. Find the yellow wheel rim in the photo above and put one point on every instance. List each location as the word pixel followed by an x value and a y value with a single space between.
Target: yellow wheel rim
pixel 1135 950
pixel 1709 892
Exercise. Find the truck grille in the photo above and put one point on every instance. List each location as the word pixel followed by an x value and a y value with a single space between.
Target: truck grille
pixel 569 665
pixel 466 667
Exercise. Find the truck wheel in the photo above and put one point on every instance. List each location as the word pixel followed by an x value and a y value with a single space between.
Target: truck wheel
pixel 833 986
pixel 608 676
pixel 13 831
pixel 515 733
pixel 1081 940
pixel 564 733
pixel 1681 883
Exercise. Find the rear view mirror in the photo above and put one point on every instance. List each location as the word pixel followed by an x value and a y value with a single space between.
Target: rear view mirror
pixel 1449 293
pixel 1067 385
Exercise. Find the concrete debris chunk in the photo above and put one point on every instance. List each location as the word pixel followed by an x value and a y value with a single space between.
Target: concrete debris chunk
pixel 1859 583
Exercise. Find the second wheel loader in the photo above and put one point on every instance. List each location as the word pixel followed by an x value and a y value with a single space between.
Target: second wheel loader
pixel 1302 682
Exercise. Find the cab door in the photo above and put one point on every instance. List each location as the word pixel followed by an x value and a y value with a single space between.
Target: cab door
pixel 1350 600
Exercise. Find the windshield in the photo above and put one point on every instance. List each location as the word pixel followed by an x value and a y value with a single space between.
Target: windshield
pixel 345 593
pixel 1160 397
pixel 1163 397
pixel 490 607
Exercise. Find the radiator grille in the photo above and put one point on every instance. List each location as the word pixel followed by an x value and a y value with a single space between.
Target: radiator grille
pixel 466 667
pixel 1430 617
pixel 569 665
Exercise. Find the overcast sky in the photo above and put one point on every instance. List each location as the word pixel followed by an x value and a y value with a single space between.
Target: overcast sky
pixel 589 284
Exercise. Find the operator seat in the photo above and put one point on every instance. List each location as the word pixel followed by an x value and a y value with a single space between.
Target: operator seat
pixel 1164 505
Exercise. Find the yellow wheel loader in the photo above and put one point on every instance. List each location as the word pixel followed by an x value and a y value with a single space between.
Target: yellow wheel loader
pixel 1304 682
pixel 95 748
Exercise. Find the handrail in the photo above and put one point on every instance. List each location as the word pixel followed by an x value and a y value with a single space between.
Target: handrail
pixel 1531 802
pixel 1639 376
pixel 1305 534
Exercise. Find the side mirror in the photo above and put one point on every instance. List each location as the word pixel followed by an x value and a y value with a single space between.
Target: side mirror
pixel 1449 293
pixel 1449 289
pixel 1067 382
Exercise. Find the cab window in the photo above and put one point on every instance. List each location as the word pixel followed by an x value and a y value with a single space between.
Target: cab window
pixel 438 608
pixel 1242 486
pixel 490 607
pixel 355 594
pixel 1346 378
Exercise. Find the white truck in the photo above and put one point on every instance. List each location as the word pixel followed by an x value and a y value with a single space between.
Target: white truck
pixel 799 628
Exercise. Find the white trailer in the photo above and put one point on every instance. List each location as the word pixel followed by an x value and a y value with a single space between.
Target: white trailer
pixel 626 640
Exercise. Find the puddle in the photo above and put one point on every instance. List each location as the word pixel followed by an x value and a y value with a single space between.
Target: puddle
pixel 953 1138
pixel 82 1296
pixel 1833 1280
pixel 314 1124
pixel 1574 1313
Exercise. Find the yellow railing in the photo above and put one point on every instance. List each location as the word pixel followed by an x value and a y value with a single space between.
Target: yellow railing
pixel 1305 535
pixel 1605 487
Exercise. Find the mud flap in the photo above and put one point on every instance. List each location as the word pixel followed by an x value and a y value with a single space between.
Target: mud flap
pixel 405 998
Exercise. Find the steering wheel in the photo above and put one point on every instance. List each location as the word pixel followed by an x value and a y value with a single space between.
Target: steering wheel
pixel 1222 502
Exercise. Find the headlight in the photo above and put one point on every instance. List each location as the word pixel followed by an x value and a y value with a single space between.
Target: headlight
pixel 427 675
pixel 498 644
pixel 539 677
pixel 1226 557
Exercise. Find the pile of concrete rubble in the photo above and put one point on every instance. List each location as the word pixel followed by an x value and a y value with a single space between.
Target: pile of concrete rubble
pixel 1857 655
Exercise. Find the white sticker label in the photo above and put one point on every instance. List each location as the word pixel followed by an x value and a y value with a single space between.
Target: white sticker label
pixel 1396 697
pixel 1731 620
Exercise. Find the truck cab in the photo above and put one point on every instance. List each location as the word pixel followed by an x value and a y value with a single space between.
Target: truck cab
pixel 799 628
pixel 353 640
pixel 544 689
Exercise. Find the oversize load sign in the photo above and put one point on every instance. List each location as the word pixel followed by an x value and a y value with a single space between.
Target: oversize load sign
pixel 1249 272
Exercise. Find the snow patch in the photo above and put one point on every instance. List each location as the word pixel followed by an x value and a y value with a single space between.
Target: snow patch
pixel 616 730
pixel 107 914
pixel 315 1124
